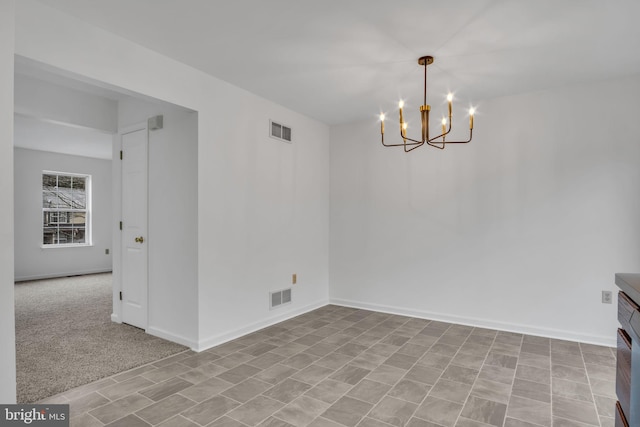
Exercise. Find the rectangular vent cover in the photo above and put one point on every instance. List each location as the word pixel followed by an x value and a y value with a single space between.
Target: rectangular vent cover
pixel 286 296
pixel 280 131
pixel 279 298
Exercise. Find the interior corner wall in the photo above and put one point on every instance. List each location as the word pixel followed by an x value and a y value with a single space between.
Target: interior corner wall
pixel 519 230
pixel 7 319
pixel 173 218
pixel 32 260
pixel 263 205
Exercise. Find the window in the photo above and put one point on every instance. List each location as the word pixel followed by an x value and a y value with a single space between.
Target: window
pixel 66 204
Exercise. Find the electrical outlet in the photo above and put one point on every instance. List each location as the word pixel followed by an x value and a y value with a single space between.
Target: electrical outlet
pixel 106 251
pixel 294 278
pixel 607 297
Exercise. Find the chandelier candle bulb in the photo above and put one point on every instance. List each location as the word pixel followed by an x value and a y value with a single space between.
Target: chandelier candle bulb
pixel 382 123
pixel 450 101
pixel 471 111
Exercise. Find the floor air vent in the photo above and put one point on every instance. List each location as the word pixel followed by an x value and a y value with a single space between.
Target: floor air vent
pixel 280 131
pixel 279 298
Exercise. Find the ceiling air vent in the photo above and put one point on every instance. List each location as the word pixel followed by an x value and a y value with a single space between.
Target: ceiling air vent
pixel 279 298
pixel 280 131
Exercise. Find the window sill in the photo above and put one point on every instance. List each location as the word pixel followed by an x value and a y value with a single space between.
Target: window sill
pixel 70 245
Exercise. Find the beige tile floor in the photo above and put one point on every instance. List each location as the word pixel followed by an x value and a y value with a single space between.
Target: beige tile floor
pixel 344 367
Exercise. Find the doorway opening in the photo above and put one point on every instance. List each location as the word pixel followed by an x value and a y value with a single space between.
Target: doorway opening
pixel 69 126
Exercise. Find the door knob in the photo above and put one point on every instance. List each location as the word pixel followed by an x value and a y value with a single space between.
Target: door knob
pixel 139 239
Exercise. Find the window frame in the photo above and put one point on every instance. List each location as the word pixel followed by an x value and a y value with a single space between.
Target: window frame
pixel 87 211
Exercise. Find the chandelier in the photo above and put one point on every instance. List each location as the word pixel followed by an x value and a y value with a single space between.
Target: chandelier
pixel 437 141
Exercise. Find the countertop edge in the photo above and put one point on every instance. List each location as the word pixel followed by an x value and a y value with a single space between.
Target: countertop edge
pixel 629 283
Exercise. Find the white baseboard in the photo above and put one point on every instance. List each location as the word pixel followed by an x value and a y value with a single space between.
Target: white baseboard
pixel 55 275
pixel 609 341
pixel 169 336
pixel 237 333
pixel 115 318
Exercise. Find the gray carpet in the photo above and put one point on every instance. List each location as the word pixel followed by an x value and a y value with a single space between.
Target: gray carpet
pixel 65 337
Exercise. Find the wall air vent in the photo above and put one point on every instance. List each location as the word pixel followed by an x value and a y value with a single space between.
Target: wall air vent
pixel 278 298
pixel 279 131
pixel 286 296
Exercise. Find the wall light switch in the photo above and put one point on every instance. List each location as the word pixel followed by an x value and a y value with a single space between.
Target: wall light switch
pixel 294 278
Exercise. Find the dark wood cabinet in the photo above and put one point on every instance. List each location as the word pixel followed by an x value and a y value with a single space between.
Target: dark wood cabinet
pixel 623 372
pixel 626 307
pixel 621 421
pixel 628 351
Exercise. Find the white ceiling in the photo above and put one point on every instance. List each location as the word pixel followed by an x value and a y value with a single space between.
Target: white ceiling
pixel 345 60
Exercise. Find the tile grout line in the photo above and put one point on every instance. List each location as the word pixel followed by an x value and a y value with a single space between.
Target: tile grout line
pixel 590 388
pixel 477 376
pixel 515 370
pixel 450 364
pixel 513 382
pixel 399 379
pixel 551 386
pixel 298 370
pixel 368 348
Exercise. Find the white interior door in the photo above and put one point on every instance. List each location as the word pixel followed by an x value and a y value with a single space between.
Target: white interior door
pixel 134 228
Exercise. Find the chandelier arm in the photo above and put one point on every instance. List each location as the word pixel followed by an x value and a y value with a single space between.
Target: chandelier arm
pixel 462 142
pixel 413 148
pixel 402 145
pixel 399 145
pixel 412 140
pixel 441 135
pixel 436 146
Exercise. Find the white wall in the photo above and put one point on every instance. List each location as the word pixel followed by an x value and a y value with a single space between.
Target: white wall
pixel 32 261
pixel 264 209
pixel 173 219
pixel 262 205
pixel 50 101
pixel 521 229
pixel 7 320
